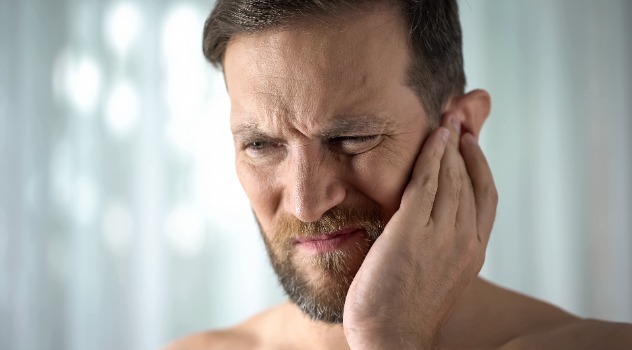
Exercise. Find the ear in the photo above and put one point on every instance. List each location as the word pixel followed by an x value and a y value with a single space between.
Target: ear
pixel 472 109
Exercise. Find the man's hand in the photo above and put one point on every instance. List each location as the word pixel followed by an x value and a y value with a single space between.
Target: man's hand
pixel 430 251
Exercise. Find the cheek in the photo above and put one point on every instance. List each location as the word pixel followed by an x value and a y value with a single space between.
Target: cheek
pixel 383 177
pixel 260 190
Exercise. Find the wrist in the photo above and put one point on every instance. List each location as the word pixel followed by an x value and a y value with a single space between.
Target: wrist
pixel 383 340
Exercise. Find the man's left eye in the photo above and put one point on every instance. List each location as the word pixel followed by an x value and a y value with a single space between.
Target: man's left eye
pixel 354 144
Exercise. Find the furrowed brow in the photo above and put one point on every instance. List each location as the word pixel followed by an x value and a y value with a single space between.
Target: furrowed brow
pixel 249 132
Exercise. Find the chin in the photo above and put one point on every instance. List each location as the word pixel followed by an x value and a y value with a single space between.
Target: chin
pixel 318 284
pixel 316 262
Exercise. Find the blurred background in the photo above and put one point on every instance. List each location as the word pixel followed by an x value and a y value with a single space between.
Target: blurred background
pixel 122 224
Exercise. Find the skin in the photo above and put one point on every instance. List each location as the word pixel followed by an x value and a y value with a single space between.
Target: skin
pixel 293 93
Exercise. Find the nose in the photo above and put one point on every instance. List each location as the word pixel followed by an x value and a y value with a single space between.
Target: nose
pixel 313 186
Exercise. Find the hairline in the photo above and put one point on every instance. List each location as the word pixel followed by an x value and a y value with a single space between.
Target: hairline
pixel 409 80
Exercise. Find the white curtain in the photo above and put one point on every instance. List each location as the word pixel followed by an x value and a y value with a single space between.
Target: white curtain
pixel 558 140
pixel 122 224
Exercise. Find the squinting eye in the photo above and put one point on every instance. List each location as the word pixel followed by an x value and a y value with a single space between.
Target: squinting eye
pixel 359 139
pixel 258 149
pixel 355 144
pixel 258 145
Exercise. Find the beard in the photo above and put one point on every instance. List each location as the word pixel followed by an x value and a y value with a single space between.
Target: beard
pixel 318 283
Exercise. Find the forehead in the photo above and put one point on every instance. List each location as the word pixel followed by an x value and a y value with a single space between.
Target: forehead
pixel 353 65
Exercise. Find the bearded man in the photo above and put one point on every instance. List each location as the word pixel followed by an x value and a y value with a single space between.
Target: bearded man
pixel 357 147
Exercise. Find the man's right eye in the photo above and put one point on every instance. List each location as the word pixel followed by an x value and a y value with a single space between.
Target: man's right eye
pixel 257 145
pixel 259 148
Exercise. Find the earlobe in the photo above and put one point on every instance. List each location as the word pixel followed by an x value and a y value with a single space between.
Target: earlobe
pixel 472 109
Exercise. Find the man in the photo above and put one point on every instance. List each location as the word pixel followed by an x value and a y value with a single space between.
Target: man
pixel 357 148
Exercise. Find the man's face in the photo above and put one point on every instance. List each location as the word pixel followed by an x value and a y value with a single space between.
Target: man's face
pixel 326 133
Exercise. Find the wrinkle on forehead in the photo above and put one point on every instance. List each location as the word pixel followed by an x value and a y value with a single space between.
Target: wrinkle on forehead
pixel 306 73
pixel 326 54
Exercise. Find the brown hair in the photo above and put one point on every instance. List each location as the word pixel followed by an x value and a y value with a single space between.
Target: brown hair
pixel 436 71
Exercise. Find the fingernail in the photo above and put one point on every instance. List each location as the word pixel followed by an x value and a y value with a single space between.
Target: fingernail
pixel 456 123
pixel 444 134
pixel 468 137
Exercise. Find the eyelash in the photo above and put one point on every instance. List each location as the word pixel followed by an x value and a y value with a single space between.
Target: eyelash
pixel 253 145
pixel 353 145
pixel 343 144
pixel 358 139
pixel 339 139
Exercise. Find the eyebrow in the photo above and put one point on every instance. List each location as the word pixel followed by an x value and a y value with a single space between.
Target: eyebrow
pixel 249 131
pixel 340 125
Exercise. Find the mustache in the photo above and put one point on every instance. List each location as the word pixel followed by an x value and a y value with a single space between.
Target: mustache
pixel 366 216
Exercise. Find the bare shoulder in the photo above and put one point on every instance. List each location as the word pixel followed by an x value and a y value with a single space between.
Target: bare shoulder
pixel 580 334
pixel 492 317
pixel 529 323
pixel 233 338
pixel 253 333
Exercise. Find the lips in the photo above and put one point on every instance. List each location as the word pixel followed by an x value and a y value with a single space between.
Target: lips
pixel 328 242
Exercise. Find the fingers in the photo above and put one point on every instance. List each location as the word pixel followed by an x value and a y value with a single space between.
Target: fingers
pixel 466 215
pixel 452 184
pixel 485 193
pixel 419 195
pixel 451 176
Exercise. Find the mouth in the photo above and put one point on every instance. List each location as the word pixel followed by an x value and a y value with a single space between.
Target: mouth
pixel 331 241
